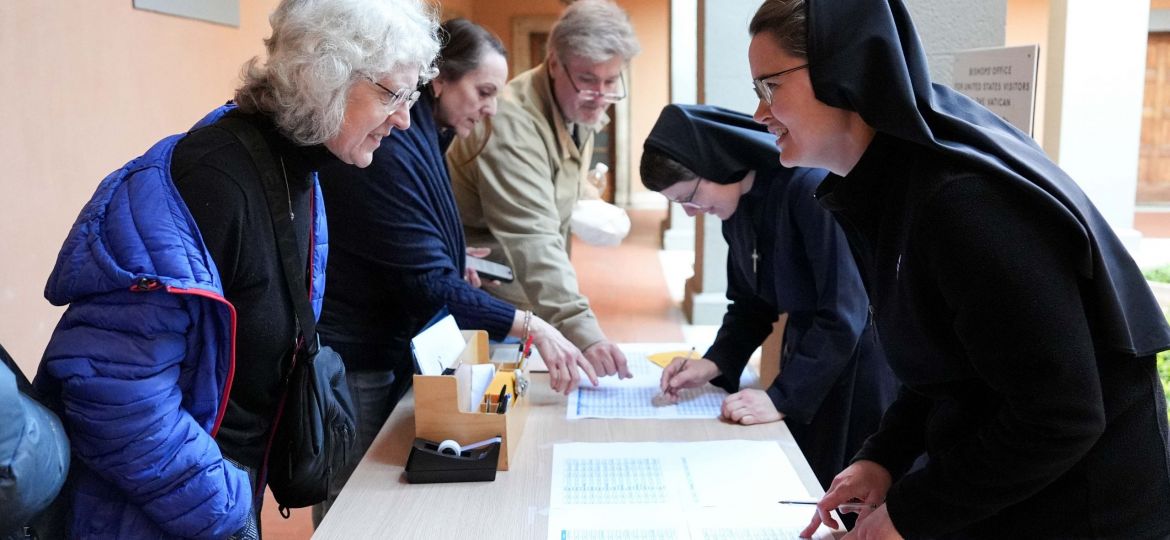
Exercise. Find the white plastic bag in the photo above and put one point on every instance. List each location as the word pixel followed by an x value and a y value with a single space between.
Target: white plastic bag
pixel 599 223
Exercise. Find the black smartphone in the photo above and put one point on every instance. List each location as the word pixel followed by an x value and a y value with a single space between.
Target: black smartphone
pixel 489 270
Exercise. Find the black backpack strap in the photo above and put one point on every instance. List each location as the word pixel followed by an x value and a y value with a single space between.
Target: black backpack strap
pixel 275 191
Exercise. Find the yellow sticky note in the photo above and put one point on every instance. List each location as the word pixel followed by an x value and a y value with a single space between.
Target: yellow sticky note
pixel 663 359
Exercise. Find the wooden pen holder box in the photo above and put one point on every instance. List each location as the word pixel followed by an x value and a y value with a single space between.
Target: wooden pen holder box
pixel 438 414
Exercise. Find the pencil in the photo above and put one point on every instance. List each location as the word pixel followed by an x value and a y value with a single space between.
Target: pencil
pixel 681 368
pixel 687 359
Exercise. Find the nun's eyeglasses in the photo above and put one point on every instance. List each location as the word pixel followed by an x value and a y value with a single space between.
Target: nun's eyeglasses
pixel 764 90
pixel 690 199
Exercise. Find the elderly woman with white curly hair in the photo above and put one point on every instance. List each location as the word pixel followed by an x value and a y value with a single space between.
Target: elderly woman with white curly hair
pixel 167 364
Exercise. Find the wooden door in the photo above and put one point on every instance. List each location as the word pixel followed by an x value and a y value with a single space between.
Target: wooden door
pixel 1154 157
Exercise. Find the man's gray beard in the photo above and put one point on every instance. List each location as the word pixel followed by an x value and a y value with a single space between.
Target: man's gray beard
pixel 594 127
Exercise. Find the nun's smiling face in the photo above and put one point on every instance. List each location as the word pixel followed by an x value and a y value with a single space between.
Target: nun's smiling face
pixel 808 132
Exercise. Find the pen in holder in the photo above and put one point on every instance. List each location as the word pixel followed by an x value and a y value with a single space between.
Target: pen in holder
pixel 520 372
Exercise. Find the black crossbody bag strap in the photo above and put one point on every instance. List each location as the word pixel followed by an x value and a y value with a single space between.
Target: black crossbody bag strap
pixel 282 228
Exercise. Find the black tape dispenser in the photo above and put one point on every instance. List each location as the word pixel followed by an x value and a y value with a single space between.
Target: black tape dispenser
pixel 433 462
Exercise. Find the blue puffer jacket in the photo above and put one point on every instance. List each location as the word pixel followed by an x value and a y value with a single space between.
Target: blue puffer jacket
pixel 142 360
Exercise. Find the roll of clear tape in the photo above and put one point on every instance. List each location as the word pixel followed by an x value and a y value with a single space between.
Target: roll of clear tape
pixel 450 448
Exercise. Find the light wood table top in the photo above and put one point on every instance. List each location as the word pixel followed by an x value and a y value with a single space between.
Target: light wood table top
pixel 377 502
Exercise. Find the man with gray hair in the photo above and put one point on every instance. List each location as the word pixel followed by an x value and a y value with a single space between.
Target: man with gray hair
pixel 516 183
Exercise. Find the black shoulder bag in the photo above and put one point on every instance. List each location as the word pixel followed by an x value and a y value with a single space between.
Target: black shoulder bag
pixel 315 427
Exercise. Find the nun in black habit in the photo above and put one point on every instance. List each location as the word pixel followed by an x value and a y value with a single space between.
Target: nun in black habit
pixel 786 255
pixel 1021 329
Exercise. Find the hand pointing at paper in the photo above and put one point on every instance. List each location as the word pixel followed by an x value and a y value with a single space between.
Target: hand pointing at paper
pixel 608 359
pixel 561 357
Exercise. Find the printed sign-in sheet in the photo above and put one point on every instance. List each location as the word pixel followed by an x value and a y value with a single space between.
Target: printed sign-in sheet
pixel 639 397
pixel 696 490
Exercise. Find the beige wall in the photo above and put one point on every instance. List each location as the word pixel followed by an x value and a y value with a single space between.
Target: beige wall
pixel 1027 24
pixel 650 73
pixel 457 8
pixel 87 86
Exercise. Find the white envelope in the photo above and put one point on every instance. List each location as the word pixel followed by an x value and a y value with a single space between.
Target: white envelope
pixel 438 346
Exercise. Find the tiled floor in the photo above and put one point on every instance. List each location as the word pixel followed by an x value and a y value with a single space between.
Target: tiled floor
pixel 625 284
pixel 1153 222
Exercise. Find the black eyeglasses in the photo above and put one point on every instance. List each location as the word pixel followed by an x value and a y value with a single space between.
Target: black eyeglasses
pixel 763 91
pixel 593 95
pixel 398 98
pixel 690 200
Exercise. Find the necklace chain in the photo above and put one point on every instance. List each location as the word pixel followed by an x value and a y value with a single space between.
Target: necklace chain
pixel 287 191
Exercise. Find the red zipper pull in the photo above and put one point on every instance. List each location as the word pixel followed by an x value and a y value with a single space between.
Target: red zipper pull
pixel 145 284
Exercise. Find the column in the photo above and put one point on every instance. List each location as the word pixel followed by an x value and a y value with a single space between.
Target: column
pixel 678 229
pixel 1096 76
pixel 724 79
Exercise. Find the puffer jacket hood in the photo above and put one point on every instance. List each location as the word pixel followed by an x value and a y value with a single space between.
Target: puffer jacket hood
pixel 112 245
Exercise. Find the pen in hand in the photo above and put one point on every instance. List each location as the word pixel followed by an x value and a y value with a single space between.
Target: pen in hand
pixel 670 390
pixel 690 355
pixel 843 508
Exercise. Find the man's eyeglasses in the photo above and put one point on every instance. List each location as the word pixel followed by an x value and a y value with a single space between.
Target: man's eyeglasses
pixel 595 95
pixel 690 199
pixel 763 90
pixel 401 98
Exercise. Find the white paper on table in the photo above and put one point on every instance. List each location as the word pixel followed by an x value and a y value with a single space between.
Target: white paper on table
pixel 709 489
pixel 618 523
pixel 437 347
pixel 639 397
pixel 751 521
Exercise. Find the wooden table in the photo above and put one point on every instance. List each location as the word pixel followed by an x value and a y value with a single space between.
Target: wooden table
pixel 377 502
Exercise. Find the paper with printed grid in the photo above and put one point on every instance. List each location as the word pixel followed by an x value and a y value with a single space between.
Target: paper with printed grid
pixel 640 397
pixel 697 490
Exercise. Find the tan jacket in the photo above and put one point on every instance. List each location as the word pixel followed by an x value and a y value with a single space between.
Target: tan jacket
pixel 517 195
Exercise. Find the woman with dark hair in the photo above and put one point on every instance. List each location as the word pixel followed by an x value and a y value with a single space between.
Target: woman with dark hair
pixel 1021 329
pixel 398 254
pixel 785 255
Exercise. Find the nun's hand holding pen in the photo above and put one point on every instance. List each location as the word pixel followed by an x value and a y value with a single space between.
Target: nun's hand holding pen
pixel 686 372
pixel 864 481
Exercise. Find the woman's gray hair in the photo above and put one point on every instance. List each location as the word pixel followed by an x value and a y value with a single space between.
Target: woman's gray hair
pixel 319 48
pixel 596 30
